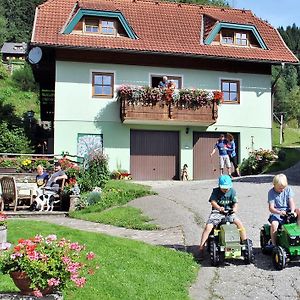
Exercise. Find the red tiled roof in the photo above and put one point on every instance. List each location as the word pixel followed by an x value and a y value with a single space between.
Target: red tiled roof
pixel 163 27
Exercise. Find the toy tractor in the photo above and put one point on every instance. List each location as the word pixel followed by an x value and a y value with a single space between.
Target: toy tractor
pixel 224 243
pixel 287 247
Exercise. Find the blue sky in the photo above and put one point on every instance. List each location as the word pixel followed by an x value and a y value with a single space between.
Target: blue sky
pixel 276 12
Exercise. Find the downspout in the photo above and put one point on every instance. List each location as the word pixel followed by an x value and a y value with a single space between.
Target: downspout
pixel 272 96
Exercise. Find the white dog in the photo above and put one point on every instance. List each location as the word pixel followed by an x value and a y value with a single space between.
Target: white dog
pixel 42 200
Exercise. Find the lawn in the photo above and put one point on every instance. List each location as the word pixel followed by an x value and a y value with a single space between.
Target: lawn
pixel 111 208
pixel 128 269
pixel 291 136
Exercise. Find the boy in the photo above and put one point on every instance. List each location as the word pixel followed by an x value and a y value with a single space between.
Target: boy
pixel 222 198
pixel 280 199
pixel 224 160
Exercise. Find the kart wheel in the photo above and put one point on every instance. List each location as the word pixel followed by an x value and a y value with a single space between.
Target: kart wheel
pixel 279 258
pixel 214 253
pixel 264 240
pixel 248 252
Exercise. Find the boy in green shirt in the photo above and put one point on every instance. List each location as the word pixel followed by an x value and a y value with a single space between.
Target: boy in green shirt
pixel 222 198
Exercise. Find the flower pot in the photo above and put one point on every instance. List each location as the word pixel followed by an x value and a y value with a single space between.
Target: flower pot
pixel 22 282
pixel 3 234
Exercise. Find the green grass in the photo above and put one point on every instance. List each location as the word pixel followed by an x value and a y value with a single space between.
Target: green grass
pixel 291 136
pixel 115 194
pixel 128 217
pixel 291 158
pixel 128 269
pixel 20 100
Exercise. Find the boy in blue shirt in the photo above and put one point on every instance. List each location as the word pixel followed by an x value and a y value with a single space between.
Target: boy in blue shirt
pixel 224 160
pixel 280 199
pixel 222 198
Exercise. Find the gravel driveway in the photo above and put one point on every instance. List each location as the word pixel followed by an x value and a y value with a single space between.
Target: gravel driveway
pixel 186 204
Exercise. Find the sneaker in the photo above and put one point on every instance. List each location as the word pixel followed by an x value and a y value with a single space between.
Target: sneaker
pixel 269 247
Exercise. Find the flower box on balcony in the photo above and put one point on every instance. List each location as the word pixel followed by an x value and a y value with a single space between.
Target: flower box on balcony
pixel 180 106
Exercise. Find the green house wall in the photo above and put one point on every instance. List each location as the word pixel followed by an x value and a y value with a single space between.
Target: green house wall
pixel 77 112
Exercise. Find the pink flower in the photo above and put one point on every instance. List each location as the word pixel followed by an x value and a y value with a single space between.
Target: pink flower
pixel 33 255
pixel 53 282
pixel 51 237
pixel 90 255
pixel 76 247
pixel 37 293
pixel 80 282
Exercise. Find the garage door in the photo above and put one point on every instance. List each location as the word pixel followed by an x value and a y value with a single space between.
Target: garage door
pixel 154 155
pixel 204 166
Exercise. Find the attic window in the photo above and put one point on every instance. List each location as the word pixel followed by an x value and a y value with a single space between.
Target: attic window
pixel 108 27
pixel 91 26
pixel 241 39
pixel 234 38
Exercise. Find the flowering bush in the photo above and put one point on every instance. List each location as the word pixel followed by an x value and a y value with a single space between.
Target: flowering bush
pixel 181 98
pixel 3 218
pixel 48 262
pixel 257 161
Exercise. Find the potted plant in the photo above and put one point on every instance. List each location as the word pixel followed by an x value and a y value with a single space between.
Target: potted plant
pixel 41 265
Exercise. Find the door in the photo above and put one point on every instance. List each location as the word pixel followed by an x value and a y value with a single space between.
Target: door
pixel 154 155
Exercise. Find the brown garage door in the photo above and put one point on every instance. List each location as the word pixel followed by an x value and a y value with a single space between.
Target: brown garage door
pixel 154 155
pixel 204 166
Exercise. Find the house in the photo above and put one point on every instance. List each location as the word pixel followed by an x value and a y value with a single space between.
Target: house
pixel 13 55
pixel 92 48
pixel 13 51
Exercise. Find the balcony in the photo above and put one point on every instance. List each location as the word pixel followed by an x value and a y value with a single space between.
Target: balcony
pixel 162 106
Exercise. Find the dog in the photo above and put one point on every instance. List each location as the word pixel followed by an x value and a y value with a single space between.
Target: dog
pixel 42 200
pixel 184 173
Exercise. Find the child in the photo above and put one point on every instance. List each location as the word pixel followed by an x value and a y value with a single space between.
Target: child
pixel 184 173
pixel 222 198
pixel 41 177
pixel 224 160
pixel 280 199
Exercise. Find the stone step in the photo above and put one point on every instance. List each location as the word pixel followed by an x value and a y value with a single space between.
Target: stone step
pixel 30 214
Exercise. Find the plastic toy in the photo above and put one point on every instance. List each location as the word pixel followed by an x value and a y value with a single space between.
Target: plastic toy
pixel 287 247
pixel 224 243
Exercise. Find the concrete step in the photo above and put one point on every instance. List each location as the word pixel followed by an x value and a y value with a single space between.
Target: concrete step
pixel 30 214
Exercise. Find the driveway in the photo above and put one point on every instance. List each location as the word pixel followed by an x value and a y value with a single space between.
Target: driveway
pixel 185 204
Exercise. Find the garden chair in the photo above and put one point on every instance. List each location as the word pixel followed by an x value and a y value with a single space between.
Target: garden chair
pixel 10 195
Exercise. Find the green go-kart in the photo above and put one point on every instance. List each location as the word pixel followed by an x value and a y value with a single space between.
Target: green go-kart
pixel 224 243
pixel 287 247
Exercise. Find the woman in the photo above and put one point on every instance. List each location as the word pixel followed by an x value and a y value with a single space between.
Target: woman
pixel 231 152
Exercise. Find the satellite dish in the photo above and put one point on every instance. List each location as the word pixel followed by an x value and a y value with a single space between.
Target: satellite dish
pixel 35 55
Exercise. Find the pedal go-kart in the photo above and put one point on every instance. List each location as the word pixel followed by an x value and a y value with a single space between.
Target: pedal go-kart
pixel 224 242
pixel 287 247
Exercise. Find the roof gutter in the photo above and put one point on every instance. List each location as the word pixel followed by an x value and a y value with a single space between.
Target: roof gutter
pixel 165 53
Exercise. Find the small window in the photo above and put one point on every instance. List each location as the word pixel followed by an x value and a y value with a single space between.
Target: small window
pixel 231 91
pixel 91 26
pixel 103 85
pixel 108 27
pixel 241 39
pixel 227 38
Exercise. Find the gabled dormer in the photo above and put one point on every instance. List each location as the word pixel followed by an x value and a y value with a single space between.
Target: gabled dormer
pixel 230 34
pixel 99 23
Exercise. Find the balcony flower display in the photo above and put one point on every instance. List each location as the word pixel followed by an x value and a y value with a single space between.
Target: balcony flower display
pixel 180 98
pixel 47 264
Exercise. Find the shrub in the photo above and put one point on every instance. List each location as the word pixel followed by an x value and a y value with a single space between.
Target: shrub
pixel 96 173
pixel 23 78
pixel 257 161
pixel 93 198
pixel 3 72
pixel 13 140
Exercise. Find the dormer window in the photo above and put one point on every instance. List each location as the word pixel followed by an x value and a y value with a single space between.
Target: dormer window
pixel 234 38
pixel 241 39
pixel 108 27
pixel 91 26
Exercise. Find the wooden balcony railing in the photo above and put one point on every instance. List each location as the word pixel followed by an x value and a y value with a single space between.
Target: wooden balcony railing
pixel 144 104
pixel 204 115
